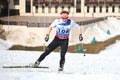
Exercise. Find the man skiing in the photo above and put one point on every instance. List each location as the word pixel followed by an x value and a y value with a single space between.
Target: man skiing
pixel 63 26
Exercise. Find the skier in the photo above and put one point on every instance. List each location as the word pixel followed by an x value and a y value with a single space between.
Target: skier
pixel 63 26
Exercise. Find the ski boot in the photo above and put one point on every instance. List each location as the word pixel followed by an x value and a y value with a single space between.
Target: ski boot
pixel 34 65
pixel 60 69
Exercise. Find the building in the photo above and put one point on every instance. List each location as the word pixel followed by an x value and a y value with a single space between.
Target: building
pixel 77 8
pixel 3 6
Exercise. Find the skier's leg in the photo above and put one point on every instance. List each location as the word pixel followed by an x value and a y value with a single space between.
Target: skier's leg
pixel 64 48
pixel 49 49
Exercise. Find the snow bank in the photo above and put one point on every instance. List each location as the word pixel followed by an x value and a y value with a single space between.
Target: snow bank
pixel 99 30
pixel 96 32
pixel 115 22
pixel 5 44
pixel 35 36
pixel 24 37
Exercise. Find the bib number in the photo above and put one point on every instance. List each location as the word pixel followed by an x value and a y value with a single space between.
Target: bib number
pixel 64 31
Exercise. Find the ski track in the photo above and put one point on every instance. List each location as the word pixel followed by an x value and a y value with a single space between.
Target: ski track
pixel 104 65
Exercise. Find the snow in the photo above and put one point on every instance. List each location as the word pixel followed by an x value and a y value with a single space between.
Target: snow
pixel 102 66
pixel 33 36
pixel 99 30
pixel 24 36
pixel 5 44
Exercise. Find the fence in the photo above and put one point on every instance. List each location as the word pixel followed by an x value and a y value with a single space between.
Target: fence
pixel 29 24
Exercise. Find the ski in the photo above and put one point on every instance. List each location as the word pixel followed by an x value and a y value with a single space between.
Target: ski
pixel 24 67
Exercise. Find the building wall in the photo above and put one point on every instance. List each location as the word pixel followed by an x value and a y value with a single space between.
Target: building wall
pixel 83 13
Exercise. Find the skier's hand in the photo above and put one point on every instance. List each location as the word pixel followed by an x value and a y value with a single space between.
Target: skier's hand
pixel 47 38
pixel 80 37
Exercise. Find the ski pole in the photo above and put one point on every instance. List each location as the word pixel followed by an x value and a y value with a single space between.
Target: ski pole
pixel 44 46
pixel 83 48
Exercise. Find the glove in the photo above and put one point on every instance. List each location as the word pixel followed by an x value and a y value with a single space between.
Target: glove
pixel 47 38
pixel 80 37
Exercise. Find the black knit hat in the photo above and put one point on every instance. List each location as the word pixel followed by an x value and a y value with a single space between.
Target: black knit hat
pixel 65 12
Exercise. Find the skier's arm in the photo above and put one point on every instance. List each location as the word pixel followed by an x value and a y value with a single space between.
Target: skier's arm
pixel 53 24
pixel 77 26
pixel 49 30
pixel 48 33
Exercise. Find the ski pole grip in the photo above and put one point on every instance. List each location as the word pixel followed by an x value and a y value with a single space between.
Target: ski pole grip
pixel 80 37
pixel 47 38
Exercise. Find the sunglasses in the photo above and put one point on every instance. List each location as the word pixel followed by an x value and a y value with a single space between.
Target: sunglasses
pixel 64 18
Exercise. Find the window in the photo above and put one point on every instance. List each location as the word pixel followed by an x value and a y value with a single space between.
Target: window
pixel 78 10
pixel 88 9
pixel 62 8
pixel 119 9
pixel 107 9
pixel 78 2
pixel 56 9
pixel 16 2
pixel 100 9
pixel 43 9
pixel 113 9
pixel 94 9
pixel 28 7
pixel 49 9
pixel 69 9
pixel 36 8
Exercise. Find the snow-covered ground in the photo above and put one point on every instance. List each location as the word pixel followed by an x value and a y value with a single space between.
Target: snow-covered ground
pixel 102 66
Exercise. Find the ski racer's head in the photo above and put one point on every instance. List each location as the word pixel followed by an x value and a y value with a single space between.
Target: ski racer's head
pixel 64 15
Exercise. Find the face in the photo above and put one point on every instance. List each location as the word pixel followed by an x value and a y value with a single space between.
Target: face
pixel 64 17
